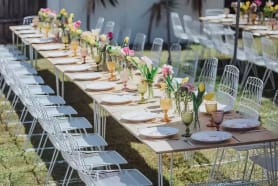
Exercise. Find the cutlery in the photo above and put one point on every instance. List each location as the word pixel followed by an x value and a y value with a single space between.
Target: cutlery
pixel 252 131
pixel 235 138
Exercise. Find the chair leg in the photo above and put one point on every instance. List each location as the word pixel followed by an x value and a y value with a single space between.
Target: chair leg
pixel 66 175
pixel 31 130
pixel 51 166
pixel 69 178
pixel 43 146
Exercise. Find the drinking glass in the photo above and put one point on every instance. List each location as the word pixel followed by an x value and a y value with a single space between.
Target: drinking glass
pixel 84 53
pixel 124 76
pixel 65 40
pixel 142 89
pixel 111 66
pixel 217 118
pixel 74 46
pixel 187 118
pixel 165 105
pixel 96 55
pixel 211 106
pixel 47 27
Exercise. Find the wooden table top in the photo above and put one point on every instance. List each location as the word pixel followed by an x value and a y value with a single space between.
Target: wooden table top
pixel 174 144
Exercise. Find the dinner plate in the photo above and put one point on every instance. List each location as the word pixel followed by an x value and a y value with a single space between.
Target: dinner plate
pixel 86 76
pixel 211 136
pixel 158 132
pixel 257 27
pixel 241 123
pixel 138 116
pixel 27 31
pixel 220 106
pixel 77 68
pixel 41 40
pixel 23 27
pixel 65 61
pixel 58 54
pixel 50 47
pixel 117 99
pixel 31 35
pixel 100 86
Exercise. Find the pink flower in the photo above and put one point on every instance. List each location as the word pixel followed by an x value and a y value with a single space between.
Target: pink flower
pixel 167 70
pixel 258 2
pixel 77 24
pixel 147 60
pixel 187 87
pixel 110 35
pixel 127 52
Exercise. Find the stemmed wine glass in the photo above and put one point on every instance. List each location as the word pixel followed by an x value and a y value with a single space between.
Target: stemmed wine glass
pixel 165 105
pixel 217 118
pixel 187 118
pixel 124 76
pixel 211 106
pixel 84 53
pixel 142 89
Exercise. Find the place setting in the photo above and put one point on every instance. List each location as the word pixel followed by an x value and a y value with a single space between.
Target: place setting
pixel 49 47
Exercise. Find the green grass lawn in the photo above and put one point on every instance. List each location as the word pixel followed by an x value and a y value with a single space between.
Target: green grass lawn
pixel 23 168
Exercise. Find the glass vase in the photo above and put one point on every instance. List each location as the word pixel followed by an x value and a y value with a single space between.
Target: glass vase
pixel 150 89
pixel 196 123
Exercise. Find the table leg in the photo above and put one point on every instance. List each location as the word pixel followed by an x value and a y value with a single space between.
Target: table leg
pixel 31 54
pixel 160 171
pixel 13 38
pixel 63 85
pixel 36 59
pixel 270 152
pixel 171 169
pixel 57 81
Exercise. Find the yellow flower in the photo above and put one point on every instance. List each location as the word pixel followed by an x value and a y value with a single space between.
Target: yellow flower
pixel 163 86
pixel 276 7
pixel 185 80
pixel 247 3
pixel 63 11
pixel 201 87
pixel 126 39
pixel 102 37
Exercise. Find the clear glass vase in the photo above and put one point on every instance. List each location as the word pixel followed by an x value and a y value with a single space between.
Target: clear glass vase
pixel 196 123
pixel 150 89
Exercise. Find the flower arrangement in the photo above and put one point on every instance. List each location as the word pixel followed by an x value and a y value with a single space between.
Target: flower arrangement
pixel 75 30
pixel 167 85
pixel 64 18
pixel 125 42
pixel 254 6
pixel 46 15
pixel 197 101
pixel 147 70
pixel 269 9
pixel 244 7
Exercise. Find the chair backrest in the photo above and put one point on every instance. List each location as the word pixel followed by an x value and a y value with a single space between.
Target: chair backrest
pixel 187 20
pixel 269 50
pixel 27 20
pixel 176 25
pixel 156 51
pixel 249 46
pixel 208 74
pixel 228 87
pixel 213 12
pixel 188 67
pixel 175 50
pixel 139 43
pixel 251 97
pixel 99 24
pixel 125 32
pixel 108 27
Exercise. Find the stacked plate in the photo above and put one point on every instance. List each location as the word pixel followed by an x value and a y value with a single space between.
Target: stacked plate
pixel 77 68
pixel 65 61
pixel 86 76
pixel 139 116
pixel 49 47
pixel 158 132
pixel 241 124
pixel 31 35
pixel 211 136
pixel 27 32
pixel 58 54
pixel 117 99
pixel 100 86
pixel 41 40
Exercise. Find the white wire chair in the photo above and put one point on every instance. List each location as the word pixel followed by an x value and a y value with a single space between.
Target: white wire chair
pixel 99 24
pixel 227 89
pixel 187 20
pixel 175 50
pixel 208 74
pixel 250 100
pixel 177 27
pixel 27 20
pixel 108 27
pixel 125 32
pixel 270 57
pixel 139 44
pixel 156 51
pixel 251 51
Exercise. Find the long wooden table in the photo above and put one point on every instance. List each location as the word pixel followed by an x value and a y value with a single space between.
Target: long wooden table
pixel 159 146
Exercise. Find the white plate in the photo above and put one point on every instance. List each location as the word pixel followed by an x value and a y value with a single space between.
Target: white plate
pixel 158 132
pixel 77 68
pixel 100 86
pixel 139 116
pixel 117 99
pixel 65 61
pixel 220 106
pixel 86 76
pixel 211 136
pixel 41 40
pixel 27 32
pixel 23 27
pixel 49 47
pixel 31 35
pixel 257 27
pixel 58 54
pixel 241 123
